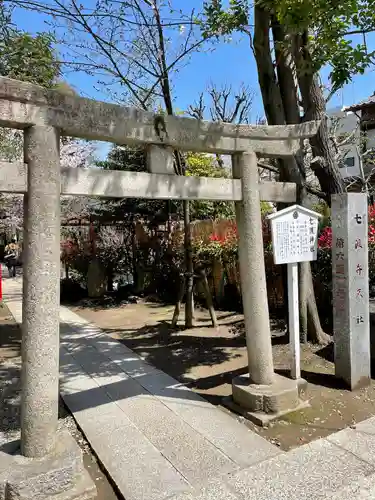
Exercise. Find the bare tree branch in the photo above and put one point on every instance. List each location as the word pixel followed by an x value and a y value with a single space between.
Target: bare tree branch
pixel 197 109
pixel 121 38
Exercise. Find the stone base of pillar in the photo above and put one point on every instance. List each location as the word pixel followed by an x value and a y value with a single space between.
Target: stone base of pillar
pixel 265 403
pixel 59 476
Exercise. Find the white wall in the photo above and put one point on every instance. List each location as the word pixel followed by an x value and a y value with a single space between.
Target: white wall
pixel 370 139
pixel 348 122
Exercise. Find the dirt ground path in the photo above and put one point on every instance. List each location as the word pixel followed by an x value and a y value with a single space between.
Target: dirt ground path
pixel 208 359
pixel 10 368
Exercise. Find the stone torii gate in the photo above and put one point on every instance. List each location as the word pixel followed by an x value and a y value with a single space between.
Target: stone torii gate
pixel 45 115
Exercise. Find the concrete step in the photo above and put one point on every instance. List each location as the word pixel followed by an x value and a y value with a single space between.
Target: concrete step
pixel 135 385
pixel 190 453
pixel 160 409
pixel 160 441
pixel 363 489
pixel 360 441
pixel 338 468
pixel 311 472
pixel 137 468
pixel 178 454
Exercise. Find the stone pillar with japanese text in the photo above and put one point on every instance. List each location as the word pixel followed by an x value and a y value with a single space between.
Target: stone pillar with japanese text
pixel 350 289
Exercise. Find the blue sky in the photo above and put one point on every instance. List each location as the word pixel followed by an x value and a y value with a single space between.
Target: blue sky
pixel 230 63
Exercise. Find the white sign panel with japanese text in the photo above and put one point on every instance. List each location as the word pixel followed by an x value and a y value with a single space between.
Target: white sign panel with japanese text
pixel 294 239
pixel 294 235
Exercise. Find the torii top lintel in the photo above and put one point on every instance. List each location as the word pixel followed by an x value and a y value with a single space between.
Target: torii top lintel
pixel 24 104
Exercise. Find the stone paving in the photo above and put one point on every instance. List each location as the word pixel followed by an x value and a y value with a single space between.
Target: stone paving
pixel 158 440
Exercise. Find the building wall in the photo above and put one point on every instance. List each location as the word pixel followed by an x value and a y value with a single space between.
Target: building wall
pixel 370 138
pixel 347 123
pixel 368 127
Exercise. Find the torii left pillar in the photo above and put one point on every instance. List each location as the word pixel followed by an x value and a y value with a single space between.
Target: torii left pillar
pixel 51 464
pixel 41 301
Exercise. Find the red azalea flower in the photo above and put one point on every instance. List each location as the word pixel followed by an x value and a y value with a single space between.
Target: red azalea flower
pixel 214 237
pixel 325 238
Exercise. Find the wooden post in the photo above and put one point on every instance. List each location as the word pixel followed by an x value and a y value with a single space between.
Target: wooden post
pixel 208 296
pixel 177 308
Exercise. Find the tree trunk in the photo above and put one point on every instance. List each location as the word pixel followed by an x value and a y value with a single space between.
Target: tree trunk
pixel 110 276
pixel 328 172
pixel 177 309
pixel 208 296
pixel 167 96
pixel 313 321
pixel 310 317
pixel 285 75
pixel 326 168
pixel 303 270
pixel 287 83
pixel 270 90
pixel 280 100
pixel 310 326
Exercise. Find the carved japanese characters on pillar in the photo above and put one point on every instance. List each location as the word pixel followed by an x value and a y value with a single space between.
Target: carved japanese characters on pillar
pixel 350 288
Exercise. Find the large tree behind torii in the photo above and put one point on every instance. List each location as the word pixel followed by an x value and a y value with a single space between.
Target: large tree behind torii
pixel 291 41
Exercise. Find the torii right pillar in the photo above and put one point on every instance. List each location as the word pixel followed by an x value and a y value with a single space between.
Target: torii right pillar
pixel 261 395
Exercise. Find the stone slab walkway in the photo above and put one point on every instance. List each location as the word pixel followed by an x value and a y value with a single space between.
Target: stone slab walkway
pixel 158 440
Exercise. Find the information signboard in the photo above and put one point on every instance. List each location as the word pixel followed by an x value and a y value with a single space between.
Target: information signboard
pixel 294 234
pixel 294 239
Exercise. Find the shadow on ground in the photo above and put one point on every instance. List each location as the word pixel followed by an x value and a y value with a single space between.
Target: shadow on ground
pixel 180 351
pixel 10 370
pixel 207 360
pixel 10 402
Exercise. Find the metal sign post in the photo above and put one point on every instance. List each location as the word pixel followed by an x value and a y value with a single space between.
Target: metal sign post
pixel 294 238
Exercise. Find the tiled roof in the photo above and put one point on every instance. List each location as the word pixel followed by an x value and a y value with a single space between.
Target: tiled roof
pixel 370 101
